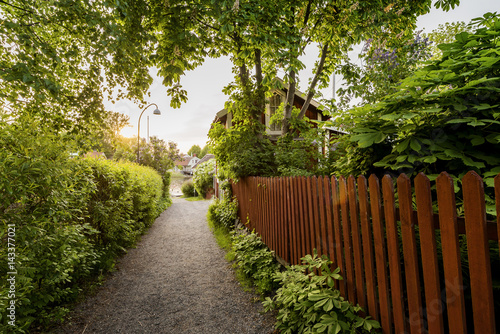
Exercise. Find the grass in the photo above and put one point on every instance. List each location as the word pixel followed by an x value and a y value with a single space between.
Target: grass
pixel 177 176
pixel 193 199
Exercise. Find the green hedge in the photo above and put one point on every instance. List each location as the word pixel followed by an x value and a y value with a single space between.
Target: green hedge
pixel 71 216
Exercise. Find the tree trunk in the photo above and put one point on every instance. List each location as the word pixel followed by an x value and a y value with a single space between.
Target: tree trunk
pixel 261 97
pixel 287 111
pixel 312 87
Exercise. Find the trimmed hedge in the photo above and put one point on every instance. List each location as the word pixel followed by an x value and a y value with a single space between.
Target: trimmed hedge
pixel 69 219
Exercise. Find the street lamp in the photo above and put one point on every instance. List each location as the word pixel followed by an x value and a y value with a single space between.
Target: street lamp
pixel 155 112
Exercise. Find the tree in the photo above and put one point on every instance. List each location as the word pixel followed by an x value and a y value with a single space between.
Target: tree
pixel 444 117
pixel 384 63
pixel 195 150
pixel 204 151
pixel 107 138
pixel 445 33
pixel 271 35
pixel 58 58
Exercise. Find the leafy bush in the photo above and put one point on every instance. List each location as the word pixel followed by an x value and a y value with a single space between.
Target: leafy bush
pixel 188 189
pixel 203 177
pixel 223 213
pixel 255 260
pixel 307 303
pixel 444 117
pixel 71 218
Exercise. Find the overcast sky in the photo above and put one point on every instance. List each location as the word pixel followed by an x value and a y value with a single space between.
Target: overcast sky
pixel 189 124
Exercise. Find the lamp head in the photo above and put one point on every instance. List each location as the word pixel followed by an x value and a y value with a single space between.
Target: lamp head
pixel 157 112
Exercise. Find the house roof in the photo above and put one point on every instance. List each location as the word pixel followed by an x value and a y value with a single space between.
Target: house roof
pixel 205 158
pixel 184 162
pixel 298 94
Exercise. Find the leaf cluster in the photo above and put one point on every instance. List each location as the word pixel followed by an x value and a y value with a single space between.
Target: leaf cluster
pixel 203 177
pixel 72 217
pixel 255 261
pixel 307 301
pixel 58 57
pixel 444 117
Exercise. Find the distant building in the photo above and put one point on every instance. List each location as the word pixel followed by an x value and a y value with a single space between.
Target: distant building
pixel 186 164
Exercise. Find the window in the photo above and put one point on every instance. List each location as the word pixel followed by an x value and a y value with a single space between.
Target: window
pixel 274 103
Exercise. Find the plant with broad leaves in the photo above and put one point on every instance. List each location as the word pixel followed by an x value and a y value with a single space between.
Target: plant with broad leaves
pixel 444 117
pixel 308 303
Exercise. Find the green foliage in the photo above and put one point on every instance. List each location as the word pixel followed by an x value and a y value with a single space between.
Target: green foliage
pixel 223 213
pixel 242 151
pixel 445 33
pixel 203 177
pixel 299 152
pixel 308 303
pixel 195 150
pixel 444 117
pixel 71 218
pixel 57 58
pixel 188 189
pixel 255 261
pixel 204 151
pixel 385 62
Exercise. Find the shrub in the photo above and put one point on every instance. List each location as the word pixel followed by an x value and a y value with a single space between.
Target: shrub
pixel 203 177
pixel 255 261
pixel 223 213
pixel 188 189
pixel 71 217
pixel 308 303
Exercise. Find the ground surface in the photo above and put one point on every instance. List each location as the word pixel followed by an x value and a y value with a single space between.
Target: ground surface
pixel 175 281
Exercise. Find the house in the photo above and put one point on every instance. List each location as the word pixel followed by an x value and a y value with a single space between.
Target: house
pixel 185 165
pixel 204 159
pixel 314 112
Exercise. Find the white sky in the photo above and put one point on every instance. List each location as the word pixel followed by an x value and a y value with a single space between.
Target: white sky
pixel 189 125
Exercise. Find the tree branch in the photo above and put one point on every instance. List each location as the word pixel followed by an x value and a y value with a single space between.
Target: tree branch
pixel 24 10
pixel 314 81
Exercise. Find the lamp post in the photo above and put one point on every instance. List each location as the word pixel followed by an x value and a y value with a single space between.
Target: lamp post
pixel 155 112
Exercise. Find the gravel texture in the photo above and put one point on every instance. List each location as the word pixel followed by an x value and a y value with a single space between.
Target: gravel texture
pixel 175 281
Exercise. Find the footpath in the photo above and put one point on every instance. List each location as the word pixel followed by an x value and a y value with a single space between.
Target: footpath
pixel 175 281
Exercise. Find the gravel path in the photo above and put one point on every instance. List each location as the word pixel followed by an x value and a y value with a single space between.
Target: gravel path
pixel 175 281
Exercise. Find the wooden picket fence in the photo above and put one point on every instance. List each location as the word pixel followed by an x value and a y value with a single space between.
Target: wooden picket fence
pixel 396 276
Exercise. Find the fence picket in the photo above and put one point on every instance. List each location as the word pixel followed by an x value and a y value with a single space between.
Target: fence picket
pixel 497 203
pixel 478 250
pixel 428 248
pixel 296 236
pixel 410 255
pixel 337 223
pixel 315 228
pixel 380 255
pixel 329 224
pixel 346 228
pixel 393 251
pixel 451 254
pixel 356 242
pixel 366 234
pixel 322 216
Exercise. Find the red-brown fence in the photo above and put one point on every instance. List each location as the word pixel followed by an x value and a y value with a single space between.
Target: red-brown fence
pixel 393 270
